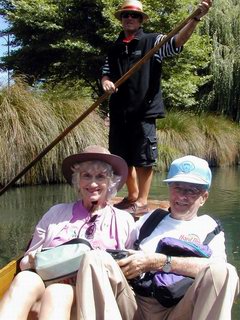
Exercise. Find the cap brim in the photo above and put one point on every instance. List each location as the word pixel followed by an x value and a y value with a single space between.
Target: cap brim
pixel 187 178
pixel 119 165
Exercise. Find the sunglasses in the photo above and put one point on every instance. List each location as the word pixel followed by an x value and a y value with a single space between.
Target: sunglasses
pixel 133 15
pixel 90 231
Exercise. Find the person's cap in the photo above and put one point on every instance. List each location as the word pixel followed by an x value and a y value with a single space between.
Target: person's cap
pixel 190 169
pixel 131 6
pixel 99 153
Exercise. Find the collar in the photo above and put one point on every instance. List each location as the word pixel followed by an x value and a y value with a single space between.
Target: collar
pixel 137 35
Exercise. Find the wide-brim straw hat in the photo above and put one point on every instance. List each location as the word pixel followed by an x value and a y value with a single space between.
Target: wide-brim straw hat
pixel 99 153
pixel 131 6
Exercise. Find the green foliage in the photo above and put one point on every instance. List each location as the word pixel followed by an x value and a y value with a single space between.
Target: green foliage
pixel 66 40
pixel 184 76
pixel 62 40
pixel 224 28
pixel 56 40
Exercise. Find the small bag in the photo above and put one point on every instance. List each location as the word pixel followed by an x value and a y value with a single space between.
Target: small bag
pixel 176 247
pixel 118 254
pixel 62 261
pixel 169 288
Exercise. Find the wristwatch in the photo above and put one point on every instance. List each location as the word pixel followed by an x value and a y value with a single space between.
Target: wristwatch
pixel 167 267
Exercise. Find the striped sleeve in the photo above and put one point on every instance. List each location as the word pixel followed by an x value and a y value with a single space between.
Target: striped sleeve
pixel 167 50
pixel 105 68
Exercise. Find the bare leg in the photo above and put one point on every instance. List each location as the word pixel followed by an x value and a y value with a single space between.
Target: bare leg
pixel 26 288
pixel 144 175
pixel 132 184
pixel 57 302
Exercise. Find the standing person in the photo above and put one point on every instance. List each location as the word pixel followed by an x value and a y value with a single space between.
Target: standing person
pixel 96 175
pixel 215 282
pixel 137 103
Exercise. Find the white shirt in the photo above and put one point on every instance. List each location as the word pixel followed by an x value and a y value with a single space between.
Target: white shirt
pixel 194 230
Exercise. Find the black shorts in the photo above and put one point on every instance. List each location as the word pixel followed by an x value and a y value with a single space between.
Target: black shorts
pixel 135 141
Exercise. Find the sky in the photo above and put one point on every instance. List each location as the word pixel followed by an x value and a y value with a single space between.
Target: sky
pixel 3 51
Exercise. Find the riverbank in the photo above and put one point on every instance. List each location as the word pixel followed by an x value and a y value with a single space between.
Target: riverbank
pixel 31 121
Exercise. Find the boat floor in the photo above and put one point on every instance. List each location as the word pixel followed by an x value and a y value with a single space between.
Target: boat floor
pixel 152 205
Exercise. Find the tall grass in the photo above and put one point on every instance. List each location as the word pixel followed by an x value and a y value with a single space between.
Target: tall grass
pixel 213 138
pixel 31 119
pixel 29 122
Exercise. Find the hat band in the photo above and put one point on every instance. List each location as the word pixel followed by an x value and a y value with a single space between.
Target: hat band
pixel 132 8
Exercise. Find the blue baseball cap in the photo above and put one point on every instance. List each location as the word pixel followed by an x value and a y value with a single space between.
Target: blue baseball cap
pixel 190 169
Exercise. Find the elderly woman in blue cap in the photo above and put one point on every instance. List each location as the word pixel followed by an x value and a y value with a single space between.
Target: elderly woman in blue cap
pixel 96 176
pixel 215 283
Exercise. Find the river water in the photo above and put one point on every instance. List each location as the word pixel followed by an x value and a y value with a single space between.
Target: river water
pixel 21 208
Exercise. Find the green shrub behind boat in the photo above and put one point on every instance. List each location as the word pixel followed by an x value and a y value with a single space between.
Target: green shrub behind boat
pixel 29 122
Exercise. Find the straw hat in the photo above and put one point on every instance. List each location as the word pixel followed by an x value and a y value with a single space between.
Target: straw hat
pixel 131 6
pixel 99 153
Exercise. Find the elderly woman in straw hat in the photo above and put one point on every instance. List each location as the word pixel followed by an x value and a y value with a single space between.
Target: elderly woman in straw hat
pixel 96 176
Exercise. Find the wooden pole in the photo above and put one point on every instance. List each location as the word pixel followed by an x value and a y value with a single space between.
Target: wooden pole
pixel 100 100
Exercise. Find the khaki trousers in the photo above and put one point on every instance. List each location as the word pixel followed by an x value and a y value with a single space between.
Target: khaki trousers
pixel 104 294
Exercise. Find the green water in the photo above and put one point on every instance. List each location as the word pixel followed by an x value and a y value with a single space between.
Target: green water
pixel 21 208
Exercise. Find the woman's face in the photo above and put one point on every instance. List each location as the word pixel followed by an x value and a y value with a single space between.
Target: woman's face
pixel 93 184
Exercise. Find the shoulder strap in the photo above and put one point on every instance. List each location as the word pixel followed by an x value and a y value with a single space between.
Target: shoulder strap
pixel 76 241
pixel 149 225
pixel 213 233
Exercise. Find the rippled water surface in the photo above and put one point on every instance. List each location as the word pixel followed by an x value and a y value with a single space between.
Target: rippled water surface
pixel 21 208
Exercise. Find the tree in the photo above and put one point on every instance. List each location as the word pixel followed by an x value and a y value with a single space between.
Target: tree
pixel 224 28
pixel 62 40
pixel 55 39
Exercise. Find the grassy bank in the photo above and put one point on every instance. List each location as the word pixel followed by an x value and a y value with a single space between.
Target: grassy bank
pixel 213 138
pixel 30 120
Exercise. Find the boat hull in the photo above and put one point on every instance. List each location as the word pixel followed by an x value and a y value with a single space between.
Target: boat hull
pixel 8 272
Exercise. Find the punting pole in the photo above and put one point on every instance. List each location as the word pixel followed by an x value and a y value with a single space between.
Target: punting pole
pixel 101 99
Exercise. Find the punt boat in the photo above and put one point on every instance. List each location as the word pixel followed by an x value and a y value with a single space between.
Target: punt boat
pixel 8 272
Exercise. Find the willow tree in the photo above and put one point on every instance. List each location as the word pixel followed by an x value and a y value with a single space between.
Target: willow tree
pixel 224 28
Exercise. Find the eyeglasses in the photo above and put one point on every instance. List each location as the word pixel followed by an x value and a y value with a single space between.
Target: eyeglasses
pixel 191 192
pixel 100 177
pixel 90 231
pixel 133 15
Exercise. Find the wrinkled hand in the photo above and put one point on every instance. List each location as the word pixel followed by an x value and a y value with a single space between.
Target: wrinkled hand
pixel 204 7
pixel 109 87
pixel 135 264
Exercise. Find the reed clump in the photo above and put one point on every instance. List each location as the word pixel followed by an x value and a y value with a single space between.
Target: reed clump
pixel 31 119
pixel 29 122
pixel 213 138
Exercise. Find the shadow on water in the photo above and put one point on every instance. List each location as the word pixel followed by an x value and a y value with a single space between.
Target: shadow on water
pixel 21 208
